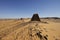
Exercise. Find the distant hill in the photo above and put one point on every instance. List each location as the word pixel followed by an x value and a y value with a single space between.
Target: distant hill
pixel 51 18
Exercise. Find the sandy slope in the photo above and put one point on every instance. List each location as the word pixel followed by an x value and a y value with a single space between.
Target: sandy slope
pixel 26 30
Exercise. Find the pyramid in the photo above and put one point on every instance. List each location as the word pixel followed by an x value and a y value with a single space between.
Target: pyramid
pixel 35 17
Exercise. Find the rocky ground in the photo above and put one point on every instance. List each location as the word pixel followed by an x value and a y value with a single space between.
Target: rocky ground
pixel 24 29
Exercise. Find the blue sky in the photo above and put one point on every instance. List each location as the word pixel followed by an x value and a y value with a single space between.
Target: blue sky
pixel 26 8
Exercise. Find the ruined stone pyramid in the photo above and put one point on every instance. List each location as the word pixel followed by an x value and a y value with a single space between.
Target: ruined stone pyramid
pixel 35 17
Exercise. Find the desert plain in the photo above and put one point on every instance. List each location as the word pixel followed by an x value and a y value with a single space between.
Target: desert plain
pixel 25 29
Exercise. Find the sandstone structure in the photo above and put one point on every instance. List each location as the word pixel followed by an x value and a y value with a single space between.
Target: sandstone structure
pixel 35 17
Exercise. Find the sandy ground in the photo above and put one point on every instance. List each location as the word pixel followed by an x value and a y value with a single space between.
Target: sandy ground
pixel 48 29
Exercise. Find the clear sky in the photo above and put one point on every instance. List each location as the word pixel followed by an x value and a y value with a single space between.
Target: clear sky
pixel 26 8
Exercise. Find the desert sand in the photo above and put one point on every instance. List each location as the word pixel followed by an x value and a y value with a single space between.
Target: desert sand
pixel 24 29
